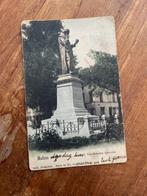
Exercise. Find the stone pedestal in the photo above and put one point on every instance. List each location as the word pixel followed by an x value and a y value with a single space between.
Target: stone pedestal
pixel 70 108
pixel 70 103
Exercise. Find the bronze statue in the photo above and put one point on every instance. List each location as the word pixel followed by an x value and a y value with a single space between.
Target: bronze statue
pixel 66 52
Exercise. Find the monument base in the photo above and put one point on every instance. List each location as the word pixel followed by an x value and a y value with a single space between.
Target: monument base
pixel 70 117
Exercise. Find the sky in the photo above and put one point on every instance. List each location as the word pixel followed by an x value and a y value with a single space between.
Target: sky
pixel 96 33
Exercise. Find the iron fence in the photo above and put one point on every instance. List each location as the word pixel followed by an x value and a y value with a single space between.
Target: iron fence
pixel 94 124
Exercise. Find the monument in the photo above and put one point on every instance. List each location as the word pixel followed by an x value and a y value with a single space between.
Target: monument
pixel 70 118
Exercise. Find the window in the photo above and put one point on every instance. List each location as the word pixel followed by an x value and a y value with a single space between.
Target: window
pixel 102 110
pixel 113 97
pixel 110 111
pixel 101 97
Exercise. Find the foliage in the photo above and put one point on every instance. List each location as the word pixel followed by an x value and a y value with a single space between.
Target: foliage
pixel 114 131
pixel 104 73
pixel 42 63
pixel 52 141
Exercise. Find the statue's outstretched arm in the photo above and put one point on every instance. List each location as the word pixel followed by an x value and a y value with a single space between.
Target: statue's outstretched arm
pixel 74 45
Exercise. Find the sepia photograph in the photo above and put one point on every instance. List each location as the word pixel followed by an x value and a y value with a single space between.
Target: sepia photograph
pixel 73 99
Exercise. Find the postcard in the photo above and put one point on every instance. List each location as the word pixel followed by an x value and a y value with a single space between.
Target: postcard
pixel 73 101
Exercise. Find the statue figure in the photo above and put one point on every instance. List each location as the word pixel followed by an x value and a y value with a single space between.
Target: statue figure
pixel 66 52
pixel 61 41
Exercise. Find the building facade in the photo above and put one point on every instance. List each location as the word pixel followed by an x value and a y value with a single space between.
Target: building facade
pixel 101 101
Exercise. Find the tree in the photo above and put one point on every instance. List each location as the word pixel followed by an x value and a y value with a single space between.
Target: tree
pixel 104 73
pixel 42 63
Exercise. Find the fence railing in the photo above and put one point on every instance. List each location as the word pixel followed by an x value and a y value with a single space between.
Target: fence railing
pixel 65 127
pixel 97 123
